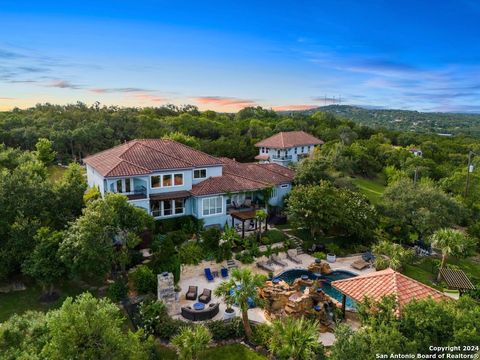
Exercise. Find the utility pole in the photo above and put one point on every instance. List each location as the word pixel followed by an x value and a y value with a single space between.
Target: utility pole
pixel 469 170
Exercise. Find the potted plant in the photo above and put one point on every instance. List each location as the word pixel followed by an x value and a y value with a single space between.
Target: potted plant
pixel 224 290
pixel 331 257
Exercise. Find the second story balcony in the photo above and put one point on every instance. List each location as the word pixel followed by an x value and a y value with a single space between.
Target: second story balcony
pixel 138 193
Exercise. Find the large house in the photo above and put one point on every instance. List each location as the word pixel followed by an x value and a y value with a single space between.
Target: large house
pixel 286 147
pixel 169 179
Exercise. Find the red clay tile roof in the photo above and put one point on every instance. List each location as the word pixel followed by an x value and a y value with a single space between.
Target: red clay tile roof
pixel 243 177
pixel 140 157
pixel 225 183
pixel 262 157
pixel 289 139
pixel 386 282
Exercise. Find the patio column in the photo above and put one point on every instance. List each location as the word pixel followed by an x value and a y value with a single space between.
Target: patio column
pixel 233 221
pixel 243 229
pixel 344 305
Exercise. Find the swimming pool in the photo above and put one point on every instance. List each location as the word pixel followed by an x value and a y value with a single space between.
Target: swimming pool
pixel 289 276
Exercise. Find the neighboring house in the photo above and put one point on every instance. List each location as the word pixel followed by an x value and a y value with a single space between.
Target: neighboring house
pixel 416 152
pixel 169 179
pixel 286 147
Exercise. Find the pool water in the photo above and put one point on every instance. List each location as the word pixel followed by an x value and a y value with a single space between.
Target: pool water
pixel 289 277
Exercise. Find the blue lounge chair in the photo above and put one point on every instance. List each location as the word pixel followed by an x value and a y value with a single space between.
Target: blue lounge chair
pixel 224 272
pixel 208 274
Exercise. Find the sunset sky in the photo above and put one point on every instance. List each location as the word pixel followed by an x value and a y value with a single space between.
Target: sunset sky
pixel 225 55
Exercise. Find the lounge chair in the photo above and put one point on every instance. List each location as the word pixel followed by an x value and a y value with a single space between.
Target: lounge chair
pixel 247 203
pixel 292 255
pixel 208 274
pixel 224 272
pixel 276 259
pixel 265 266
pixel 360 264
pixel 191 293
pixel 206 296
pixel 368 256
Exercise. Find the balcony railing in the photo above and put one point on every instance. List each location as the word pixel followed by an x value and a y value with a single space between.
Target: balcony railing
pixel 139 193
pixel 282 157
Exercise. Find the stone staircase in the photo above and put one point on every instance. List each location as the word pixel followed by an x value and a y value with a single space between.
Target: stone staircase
pixel 296 241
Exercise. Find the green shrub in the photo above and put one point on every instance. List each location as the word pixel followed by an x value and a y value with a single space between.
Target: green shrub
pixel 178 237
pixel 210 238
pixel 186 223
pixel 245 258
pixel 144 280
pixel 262 334
pixel 118 290
pixel 319 255
pixel 166 327
pixel 264 240
pixel 225 330
pixel 275 236
pixel 190 253
pixel 135 258
pixel 224 252
pixel 149 313
pixel 334 249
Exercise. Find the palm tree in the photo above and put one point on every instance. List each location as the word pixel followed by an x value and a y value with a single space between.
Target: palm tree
pixel 295 339
pixel 191 341
pixel 390 255
pixel 450 242
pixel 245 285
pixel 261 216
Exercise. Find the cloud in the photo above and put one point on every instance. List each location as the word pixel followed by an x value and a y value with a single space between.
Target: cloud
pixel 120 90
pixel 63 84
pixel 224 101
pixel 6 98
pixel 7 54
pixel 149 97
pixel 294 107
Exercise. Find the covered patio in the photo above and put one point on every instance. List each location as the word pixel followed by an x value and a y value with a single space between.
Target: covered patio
pixel 247 215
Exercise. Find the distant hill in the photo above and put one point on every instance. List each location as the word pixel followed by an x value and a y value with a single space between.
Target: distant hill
pixel 405 120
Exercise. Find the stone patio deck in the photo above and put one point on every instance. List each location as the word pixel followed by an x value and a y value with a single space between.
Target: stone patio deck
pixel 194 275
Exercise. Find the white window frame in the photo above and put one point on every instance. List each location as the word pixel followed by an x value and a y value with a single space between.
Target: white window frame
pixel 124 185
pixel 197 178
pixel 172 174
pixel 162 209
pixel 209 199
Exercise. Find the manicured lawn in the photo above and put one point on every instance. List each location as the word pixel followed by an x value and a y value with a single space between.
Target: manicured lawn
pixel 425 270
pixel 20 301
pixel 231 352
pixel 55 172
pixel 371 188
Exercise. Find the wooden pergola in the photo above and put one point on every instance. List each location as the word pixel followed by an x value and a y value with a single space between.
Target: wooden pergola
pixel 456 279
pixel 245 216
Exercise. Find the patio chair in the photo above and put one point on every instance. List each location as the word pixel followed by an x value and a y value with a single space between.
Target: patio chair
pixel 360 264
pixel 206 296
pixel 247 203
pixel 208 274
pixel 276 259
pixel 263 265
pixel 235 205
pixel 191 293
pixel 292 255
pixel 224 272
pixel 368 256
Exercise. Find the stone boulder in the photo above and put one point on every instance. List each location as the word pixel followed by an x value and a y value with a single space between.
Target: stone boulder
pixel 320 267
